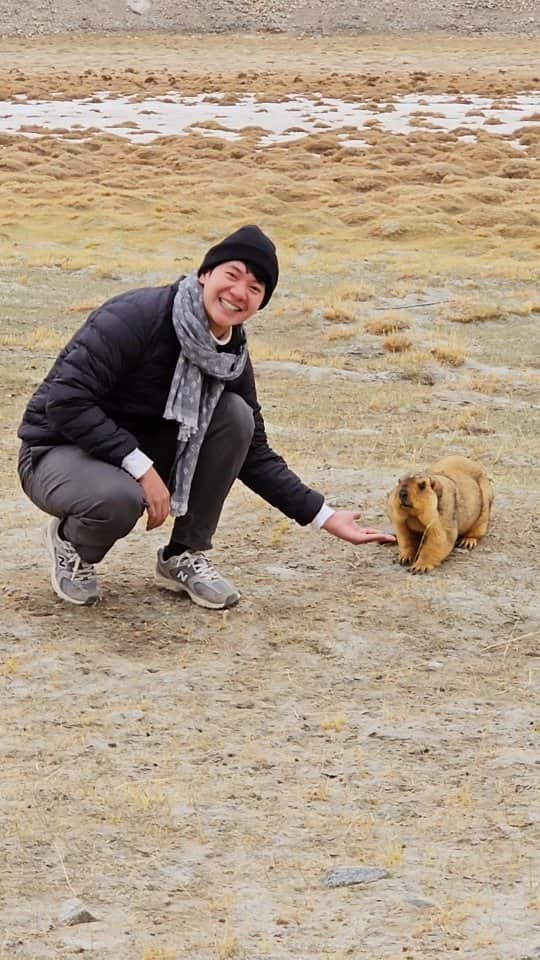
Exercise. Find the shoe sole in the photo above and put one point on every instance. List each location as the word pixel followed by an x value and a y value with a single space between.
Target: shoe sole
pixel 54 582
pixel 168 584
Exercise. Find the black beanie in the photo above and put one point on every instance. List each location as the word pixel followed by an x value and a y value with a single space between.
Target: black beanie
pixel 251 244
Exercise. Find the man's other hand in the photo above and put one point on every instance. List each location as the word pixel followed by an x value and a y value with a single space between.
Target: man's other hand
pixel 157 498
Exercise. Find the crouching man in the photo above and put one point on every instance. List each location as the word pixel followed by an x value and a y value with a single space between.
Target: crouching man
pixel 152 406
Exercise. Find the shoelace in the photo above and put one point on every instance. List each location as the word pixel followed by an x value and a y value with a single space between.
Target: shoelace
pixel 203 568
pixel 81 571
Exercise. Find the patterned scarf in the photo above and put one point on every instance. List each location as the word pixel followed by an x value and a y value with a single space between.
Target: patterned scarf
pixel 197 384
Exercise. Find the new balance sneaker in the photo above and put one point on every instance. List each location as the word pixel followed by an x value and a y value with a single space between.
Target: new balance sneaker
pixel 72 579
pixel 192 573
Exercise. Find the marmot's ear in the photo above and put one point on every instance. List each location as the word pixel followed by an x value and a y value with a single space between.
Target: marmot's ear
pixel 436 485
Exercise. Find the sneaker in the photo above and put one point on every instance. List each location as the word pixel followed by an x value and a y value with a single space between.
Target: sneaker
pixel 72 579
pixel 192 573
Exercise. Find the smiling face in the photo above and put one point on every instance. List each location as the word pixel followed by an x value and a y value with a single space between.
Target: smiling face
pixel 231 295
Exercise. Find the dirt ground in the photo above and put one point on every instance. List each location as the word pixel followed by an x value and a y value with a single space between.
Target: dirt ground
pixel 297 17
pixel 194 777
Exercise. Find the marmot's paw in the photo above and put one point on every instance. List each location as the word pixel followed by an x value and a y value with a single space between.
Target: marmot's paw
pixel 422 567
pixel 405 558
pixel 468 542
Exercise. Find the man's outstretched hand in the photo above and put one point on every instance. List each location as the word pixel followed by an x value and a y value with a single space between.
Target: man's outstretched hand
pixel 343 524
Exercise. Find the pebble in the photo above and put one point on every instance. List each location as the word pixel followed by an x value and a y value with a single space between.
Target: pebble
pixel 390 228
pixel 348 876
pixel 420 903
pixel 74 911
pixel 140 6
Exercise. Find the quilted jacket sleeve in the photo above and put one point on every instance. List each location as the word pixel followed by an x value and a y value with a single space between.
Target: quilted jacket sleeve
pixel 267 473
pixel 103 352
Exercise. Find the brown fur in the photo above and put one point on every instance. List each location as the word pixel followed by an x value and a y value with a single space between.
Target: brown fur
pixel 450 503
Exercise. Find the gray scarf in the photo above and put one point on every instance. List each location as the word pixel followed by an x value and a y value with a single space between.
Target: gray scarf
pixel 197 384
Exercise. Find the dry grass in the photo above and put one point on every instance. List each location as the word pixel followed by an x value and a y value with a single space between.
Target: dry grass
pixel 470 310
pixel 389 323
pixel 159 953
pixel 397 344
pixel 335 723
pixel 110 206
pixel 338 311
pixel 83 307
pixel 358 292
pixel 449 354
pixel 227 947
pixel 403 288
pixel 333 336
pixel 519 307
pixel 489 384
pixel 36 339
pixel 265 350
pixel 413 365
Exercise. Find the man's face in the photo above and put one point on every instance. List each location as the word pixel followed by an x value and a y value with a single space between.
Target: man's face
pixel 231 295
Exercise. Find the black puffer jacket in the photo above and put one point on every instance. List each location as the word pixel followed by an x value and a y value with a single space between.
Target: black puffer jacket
pixel 109 386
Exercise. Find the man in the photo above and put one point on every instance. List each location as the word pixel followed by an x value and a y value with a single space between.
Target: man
pixel 152 406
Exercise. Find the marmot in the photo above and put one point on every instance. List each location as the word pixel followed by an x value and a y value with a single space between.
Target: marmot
pixel 450 503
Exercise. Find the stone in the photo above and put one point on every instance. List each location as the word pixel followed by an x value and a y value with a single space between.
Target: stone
pixel 348 876
pixel 391 228
pixel 420 903
pixel 74 911
pixel 140 6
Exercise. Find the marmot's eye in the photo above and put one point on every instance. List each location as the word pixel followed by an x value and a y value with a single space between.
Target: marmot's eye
pixel 422 485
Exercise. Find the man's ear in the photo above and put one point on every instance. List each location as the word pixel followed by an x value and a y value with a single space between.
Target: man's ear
pixel 436 486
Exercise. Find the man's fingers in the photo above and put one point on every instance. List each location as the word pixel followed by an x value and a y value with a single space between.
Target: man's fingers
pixel 156 497
pixel 372 536
pixel 380 533
pixel 152 519
pixel 157 514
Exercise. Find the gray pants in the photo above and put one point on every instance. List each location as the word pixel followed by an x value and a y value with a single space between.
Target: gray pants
pixel 100 503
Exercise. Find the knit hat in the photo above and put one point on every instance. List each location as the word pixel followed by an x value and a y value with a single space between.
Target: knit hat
pixel 247 244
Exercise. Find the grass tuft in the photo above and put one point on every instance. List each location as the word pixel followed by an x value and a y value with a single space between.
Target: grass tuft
pixel 339 312
pixel 358 292
pixel 450 355
pixel 388 323
pixel 469 310
pixel 397 344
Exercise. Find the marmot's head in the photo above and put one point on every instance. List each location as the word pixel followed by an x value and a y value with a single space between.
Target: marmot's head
pixel 417 491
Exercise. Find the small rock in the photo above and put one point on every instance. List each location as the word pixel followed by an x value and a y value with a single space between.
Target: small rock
pixel 391 228
pixel 140 6
pixel 420 903
pixel 126 716
pixel 348 876
pixel 73 912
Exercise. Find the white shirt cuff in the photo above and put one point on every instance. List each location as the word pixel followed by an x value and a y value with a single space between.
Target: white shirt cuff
pixel 136 463
pixel 322 516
